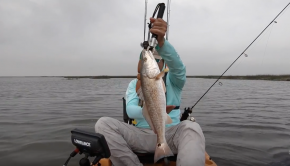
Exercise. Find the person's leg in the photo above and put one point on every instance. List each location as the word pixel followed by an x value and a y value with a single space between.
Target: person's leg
pixel 187 141
pixel 123 138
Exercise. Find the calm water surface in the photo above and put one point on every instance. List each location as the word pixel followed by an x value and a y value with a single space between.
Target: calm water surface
pixel 244 122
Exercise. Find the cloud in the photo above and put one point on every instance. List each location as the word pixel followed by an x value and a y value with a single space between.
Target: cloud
pixel 73 37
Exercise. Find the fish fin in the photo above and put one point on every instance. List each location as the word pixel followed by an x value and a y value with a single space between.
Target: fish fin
pixel 138 85
pixel 164 86
pixel 161 151
pixel 147 117
pixel 140 93
pixel 160 75
pixel 168 120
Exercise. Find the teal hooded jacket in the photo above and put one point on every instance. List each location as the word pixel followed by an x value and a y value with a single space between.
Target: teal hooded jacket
pixel 175 82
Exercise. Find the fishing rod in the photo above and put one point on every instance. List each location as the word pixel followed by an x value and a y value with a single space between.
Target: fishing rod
pixel 145 44
pixel 168 13
pixel 160 8
pixel 146 1
pixel 189 110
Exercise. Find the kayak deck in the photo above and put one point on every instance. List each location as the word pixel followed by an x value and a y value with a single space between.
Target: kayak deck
pixel 208 162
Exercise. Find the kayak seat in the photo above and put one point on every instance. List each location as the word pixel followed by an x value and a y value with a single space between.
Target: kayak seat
pixel 125 115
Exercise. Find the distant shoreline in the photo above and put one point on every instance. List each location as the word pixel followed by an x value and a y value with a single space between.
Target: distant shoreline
pixel 248 77
pixel 237 77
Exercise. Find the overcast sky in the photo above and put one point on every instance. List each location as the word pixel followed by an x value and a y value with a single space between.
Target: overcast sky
pixel 102 37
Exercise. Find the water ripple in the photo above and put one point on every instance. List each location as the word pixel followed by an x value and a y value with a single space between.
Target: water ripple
pixel 245 123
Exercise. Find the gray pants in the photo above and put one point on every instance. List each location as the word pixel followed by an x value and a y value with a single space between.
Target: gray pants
pixel 185 139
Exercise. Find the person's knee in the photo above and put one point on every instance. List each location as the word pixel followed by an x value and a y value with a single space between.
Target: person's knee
pixel 102 123
pixel 189 126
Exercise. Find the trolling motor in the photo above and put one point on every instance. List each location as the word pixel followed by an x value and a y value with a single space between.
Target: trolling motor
pixel 91 145
pixel 161 8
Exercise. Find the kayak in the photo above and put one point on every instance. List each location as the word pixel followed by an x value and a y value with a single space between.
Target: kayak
pixel 208 162
pixel 94 144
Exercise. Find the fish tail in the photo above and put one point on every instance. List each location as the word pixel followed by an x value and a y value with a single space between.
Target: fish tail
pixel 162 150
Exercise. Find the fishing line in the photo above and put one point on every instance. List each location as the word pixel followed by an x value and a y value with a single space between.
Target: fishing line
pixel 263 56
pixel 284 12
pixel 238 57
pixel 261 39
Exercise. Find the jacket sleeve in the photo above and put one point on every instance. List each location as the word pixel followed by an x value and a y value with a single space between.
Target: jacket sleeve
pixel 134 111
pixel 177 70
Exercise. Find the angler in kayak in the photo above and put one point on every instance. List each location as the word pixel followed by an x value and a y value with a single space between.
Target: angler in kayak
pixel 184 138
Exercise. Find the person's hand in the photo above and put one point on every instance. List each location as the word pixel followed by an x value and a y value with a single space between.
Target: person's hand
pixel 159 28
pixel 169 108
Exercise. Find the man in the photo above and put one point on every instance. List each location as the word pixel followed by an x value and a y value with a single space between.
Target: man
pixel 184 138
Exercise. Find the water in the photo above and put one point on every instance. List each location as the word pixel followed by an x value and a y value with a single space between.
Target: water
pixel 244 122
